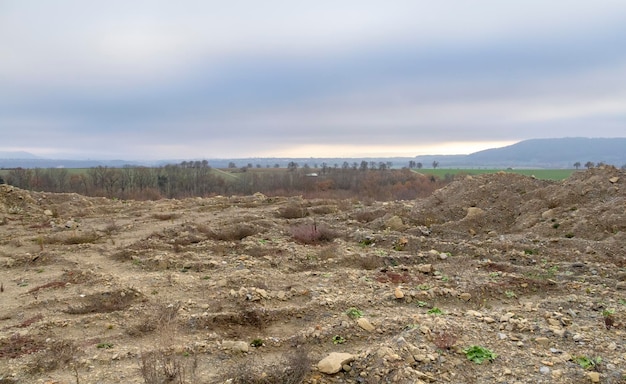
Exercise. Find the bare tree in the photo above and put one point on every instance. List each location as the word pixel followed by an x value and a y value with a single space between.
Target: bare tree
pixel 435 164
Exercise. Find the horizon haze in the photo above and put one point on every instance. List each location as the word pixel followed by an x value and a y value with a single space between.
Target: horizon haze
pixel 159 80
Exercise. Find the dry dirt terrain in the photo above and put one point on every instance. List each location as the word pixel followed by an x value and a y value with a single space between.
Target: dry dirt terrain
pixel 527 277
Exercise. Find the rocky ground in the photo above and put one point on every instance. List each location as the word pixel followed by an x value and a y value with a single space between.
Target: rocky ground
pixel 526 276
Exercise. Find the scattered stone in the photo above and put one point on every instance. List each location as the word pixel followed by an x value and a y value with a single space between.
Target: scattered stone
pixel 544 370
pixel 465 296
pixel 506 317
pixel 425 268
pixel 594 377
pixel 48 212
pixel 235 346
pixel 334 362
pixel 614 180
pixel 398 293
pixel 474 213
pixel 474 313
pixel 365 324
pixel 542 341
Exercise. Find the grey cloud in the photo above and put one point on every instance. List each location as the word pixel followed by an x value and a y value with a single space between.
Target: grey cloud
pixel 370 75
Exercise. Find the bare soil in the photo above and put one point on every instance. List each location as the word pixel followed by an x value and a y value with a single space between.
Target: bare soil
pixel 260 289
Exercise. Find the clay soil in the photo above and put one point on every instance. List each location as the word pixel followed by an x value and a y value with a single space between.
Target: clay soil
pixel 260 289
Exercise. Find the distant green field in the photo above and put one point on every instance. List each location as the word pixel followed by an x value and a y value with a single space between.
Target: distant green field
pixel 544 174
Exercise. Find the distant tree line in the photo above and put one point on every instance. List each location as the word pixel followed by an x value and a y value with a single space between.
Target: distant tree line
pixel 367 180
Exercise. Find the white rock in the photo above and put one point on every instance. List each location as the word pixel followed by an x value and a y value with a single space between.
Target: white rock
pixel 365 324
pixel 334 362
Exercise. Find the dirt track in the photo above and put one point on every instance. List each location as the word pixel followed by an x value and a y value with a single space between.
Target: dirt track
pixel 206 290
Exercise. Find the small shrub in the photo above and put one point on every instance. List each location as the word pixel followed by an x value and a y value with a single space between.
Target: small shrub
pixel 111 228
pixel 160 316
pixel 165 216
pixel 292 369
pixel 18 345
pixel 158 367
pixel 609 320
pixel 104 346
pixel 479 354
pixel 444 340
pixel 256 343
pixel 104 302
pixel 59 355
pixel 312 233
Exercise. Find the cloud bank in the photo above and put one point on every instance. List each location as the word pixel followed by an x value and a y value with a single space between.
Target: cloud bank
pixel 196 79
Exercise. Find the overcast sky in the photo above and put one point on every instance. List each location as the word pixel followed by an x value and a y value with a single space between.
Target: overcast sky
pixel 227 79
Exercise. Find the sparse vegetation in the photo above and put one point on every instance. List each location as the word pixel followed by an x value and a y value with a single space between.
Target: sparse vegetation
pixel 312 233
pixel 479 354
pixel 292 369
pixel 354 313
pixel 586 362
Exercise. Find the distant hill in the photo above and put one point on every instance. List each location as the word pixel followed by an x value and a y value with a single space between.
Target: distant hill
pixel 555 152
pixel 17 155
pixel 540 153
pixel 534 153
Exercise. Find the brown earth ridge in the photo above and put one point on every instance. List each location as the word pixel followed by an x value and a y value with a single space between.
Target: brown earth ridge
pixel 528 274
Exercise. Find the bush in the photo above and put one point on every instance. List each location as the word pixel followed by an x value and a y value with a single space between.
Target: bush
pixel 312 233
pixel 296 366
pixel 158 367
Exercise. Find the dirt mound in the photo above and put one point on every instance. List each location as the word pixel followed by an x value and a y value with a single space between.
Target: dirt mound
pixel 589 205
pixel 15 201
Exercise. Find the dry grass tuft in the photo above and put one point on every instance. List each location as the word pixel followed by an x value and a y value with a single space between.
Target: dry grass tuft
pixel 165 216
pixel 368 262
pixel 104 302
pixel 159 367
pixel 18 345
pixel 292 369
pixel 160 316
pixel 60 354
pixel 73 239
